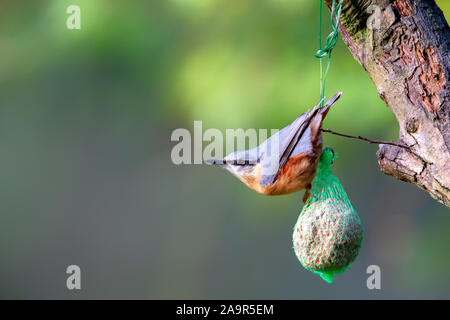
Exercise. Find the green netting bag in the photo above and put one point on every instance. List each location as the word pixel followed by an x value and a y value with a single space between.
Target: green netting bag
pixel 328 232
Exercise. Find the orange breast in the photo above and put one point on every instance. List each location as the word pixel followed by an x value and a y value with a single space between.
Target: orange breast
pixel 296 175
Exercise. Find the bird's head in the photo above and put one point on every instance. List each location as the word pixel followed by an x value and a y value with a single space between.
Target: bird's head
pixel 241 164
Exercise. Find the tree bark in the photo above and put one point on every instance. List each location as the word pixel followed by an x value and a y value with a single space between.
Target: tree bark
pixel 407 57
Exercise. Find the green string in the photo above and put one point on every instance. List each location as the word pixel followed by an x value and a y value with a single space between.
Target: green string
pixel 330 42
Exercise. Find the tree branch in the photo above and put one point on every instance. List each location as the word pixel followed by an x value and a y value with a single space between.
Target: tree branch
pixel 364 139
pixel 407 58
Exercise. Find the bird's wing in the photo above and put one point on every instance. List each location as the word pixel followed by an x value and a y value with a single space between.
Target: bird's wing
pixel 311 134
pixel 293 139
pixel 276 150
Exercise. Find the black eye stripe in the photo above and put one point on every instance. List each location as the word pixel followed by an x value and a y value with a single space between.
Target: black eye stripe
pixel 241 163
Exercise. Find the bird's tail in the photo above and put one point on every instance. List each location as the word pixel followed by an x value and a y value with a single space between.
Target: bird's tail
pixel 324 110
pixel 316 122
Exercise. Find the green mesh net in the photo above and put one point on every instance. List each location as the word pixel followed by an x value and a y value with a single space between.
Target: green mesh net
pixel 328 232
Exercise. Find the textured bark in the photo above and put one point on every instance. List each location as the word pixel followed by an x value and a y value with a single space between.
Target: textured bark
pixel 407 58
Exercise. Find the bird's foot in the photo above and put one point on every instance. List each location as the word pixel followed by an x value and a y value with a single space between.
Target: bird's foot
pixel 307 194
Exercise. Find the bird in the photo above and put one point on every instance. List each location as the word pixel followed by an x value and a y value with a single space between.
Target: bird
pixel 287 161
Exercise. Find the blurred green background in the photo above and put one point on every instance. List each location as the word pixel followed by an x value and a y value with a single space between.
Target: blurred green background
pixel 86 117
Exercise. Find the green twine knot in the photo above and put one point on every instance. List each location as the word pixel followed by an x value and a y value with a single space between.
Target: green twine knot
pixel 330 41
pixel 332 38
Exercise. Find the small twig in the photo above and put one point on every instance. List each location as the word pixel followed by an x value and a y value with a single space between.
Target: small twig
pixel 365 139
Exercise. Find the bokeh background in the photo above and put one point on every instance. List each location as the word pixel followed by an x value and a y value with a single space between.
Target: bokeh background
pixel 86 176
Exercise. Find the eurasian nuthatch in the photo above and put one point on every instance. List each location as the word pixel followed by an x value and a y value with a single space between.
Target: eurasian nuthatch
pixel 287 161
